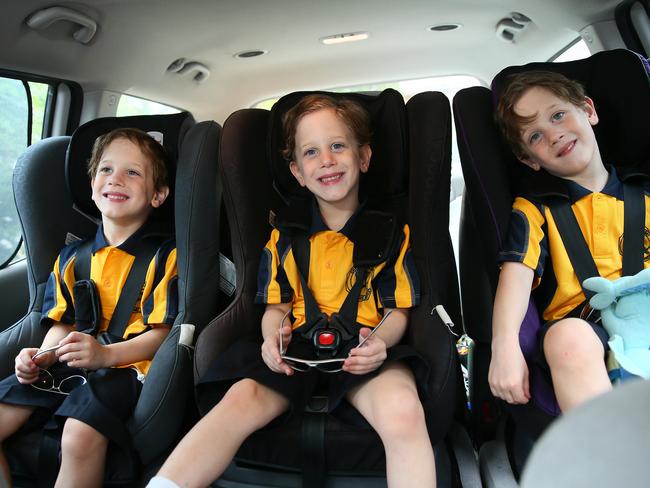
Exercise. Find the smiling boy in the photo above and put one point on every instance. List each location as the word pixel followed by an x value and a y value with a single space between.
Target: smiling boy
pixel 327 147
pixel 128 171
pixel 548 121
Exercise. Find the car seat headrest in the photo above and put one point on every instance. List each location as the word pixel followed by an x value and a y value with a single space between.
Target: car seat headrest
pixel 387 177
pixel 167 129
pixel 619 83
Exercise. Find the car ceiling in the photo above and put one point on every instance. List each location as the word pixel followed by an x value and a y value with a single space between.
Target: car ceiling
pixel 137 40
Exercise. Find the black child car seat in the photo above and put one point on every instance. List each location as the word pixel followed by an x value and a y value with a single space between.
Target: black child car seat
pixel 52 191
pixel 410 169
pixel 618 82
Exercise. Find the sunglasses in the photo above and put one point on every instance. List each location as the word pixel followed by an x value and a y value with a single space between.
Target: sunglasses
pixel 47 382
pixel 333 365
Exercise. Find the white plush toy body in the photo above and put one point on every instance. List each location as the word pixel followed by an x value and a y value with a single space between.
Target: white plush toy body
pixel 624 306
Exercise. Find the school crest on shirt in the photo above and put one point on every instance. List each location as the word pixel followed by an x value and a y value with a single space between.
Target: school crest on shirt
pixel 646 244
pixel 366 289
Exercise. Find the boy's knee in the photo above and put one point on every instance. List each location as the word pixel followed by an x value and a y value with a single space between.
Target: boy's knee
pixel 80 439
pixel 571 343
pixel 399 415
pixel 246 394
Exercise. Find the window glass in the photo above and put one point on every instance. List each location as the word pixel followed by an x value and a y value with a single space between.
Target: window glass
pixel 39 100
pixel 579 50
pixel 14 119
pixel 139 106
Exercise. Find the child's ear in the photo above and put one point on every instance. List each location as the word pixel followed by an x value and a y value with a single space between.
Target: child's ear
pixel 364 157
pixel 295 171
pixel 530 163
pixel 590 109
pixel 159 196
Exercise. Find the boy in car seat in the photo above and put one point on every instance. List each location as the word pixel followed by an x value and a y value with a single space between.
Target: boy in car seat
pixel 76 381
pixel 327 146
pixel 548 121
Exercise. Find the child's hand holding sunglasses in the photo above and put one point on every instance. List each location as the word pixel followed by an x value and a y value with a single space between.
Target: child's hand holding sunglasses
pixel 29 361
pixel 369 355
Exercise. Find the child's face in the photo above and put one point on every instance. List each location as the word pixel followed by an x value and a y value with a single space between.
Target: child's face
pixel 560 138
pixel 123 188
pixel 328 159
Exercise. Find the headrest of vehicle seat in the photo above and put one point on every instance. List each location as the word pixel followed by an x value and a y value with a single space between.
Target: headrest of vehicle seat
pixel 619 83
pixel 168 129
pixel 387 176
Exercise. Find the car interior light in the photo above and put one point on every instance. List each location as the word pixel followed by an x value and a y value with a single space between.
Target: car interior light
pixel 348 37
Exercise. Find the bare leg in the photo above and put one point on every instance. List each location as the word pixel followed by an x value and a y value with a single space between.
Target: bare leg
pixel 391 405
pixel 575 356
pixel 213 441
pixel 12 418
pixel 83 455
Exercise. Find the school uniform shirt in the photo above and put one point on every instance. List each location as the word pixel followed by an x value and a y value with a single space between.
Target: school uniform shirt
pixel 534 240
pixel 392 284
pixel 109 269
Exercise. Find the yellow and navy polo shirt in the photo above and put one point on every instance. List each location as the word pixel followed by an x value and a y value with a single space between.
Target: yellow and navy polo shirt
pixel 534 240
pixel 393 283
pixel 109 269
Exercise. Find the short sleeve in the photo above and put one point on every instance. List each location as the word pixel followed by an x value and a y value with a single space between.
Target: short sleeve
pixel 57 300
pixel 272 283
pixel 160 297
pixel 398 284
pixel 526 241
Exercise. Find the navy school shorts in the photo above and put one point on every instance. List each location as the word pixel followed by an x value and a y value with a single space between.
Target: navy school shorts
pixel 105 402
pixel 243 359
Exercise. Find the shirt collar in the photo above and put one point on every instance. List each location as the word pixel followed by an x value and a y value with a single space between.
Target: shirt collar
pixel 545 185
pixel 130 245
pixel 319 225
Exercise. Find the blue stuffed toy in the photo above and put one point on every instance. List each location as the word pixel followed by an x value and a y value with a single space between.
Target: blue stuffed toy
pixel 624 306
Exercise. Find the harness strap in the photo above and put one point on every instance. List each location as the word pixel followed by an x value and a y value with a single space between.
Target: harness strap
pixel 633 229
pixel 348 312
pixel 576 246
pixel 145 252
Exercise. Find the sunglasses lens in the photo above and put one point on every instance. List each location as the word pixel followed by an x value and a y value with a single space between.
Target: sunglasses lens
pixel 70 383
pixel 296 365
pixel 45 381
pixel 330 367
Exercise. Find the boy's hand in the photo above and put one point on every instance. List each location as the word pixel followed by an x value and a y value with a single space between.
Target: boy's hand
pixel 81 350
pixel 367 358
pixel 27 369
pixel 508 374
pixel 271 351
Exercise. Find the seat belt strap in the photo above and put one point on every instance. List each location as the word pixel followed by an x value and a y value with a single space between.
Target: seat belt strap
pixel 301 251
pixel 144 253
pixel 132 287
pixel 574 243
pixel 633 229
pixel 576 246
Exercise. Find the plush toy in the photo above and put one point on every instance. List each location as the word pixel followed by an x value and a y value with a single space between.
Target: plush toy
pixel 624 306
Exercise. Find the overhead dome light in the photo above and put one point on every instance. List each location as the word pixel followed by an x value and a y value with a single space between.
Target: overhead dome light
pixel 347 37
pixel 253 53
pixel 444 27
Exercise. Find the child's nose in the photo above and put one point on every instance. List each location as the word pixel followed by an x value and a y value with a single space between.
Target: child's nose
pixel 327 158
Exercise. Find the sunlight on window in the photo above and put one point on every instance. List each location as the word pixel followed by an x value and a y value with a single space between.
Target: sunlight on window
pixel 579 50
pixel 139 106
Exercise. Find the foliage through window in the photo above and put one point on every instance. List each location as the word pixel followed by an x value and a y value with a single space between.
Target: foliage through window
pixel 129 105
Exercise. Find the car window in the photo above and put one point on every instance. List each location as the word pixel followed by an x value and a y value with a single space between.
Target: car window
pixel 130 105
pixel 20 101
pixel 577 50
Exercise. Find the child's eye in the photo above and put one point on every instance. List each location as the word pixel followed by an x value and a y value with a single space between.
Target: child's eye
pixel 310 153
pixel 534 137
pixel 132 172
pixel 104 170
pixel 558 115
pixel 338 146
